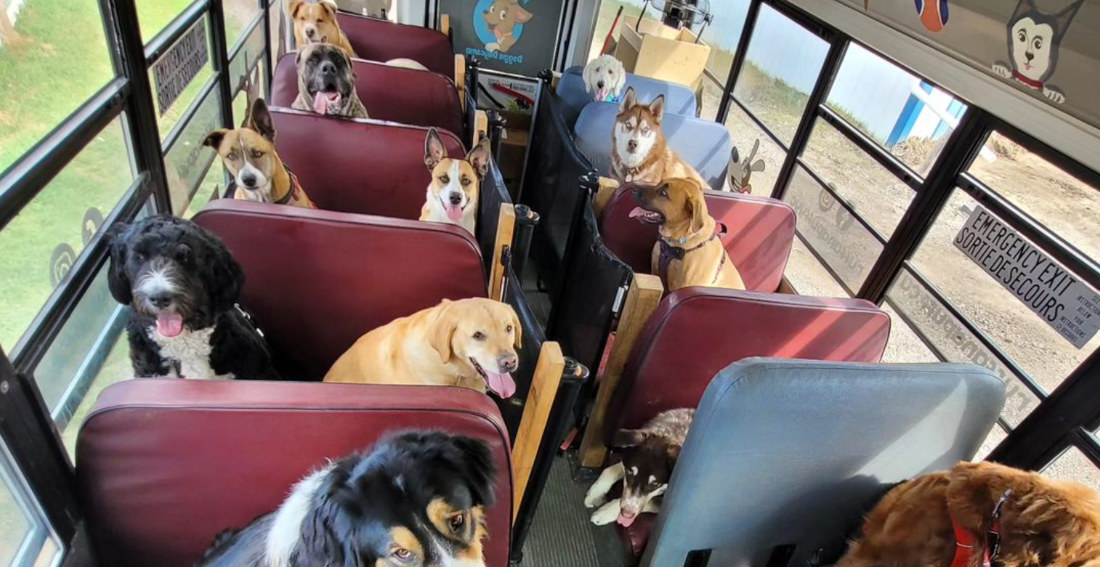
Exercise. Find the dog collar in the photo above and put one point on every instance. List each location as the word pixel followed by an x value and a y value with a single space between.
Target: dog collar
pixel 965 542
pixel 670 252
pixel 1029 82
pixel 295 189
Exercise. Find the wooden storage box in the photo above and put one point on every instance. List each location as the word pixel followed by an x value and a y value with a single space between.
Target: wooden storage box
pixel 661 52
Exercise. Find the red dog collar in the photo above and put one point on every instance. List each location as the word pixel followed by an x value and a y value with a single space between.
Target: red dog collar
pixel 1029 82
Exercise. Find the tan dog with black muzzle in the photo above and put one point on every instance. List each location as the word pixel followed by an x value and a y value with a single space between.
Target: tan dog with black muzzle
pixel 249 154
pixel 689 251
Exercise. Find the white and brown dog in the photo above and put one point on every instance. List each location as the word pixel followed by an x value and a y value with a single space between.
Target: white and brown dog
pixel 456 183
pixel 648 456
pixel 249 155
pixel 639 152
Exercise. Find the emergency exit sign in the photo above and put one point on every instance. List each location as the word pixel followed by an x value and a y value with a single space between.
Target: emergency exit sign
pixel 1051 291
pixel 174 70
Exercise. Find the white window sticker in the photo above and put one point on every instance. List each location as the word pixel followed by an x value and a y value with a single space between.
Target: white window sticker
pixel 1035 279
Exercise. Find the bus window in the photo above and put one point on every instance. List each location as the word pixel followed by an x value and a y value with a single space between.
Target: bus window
pixel 187 161
pixel 827 226
pixel 746 134
pixel 1074 465
pixel 722 35
pixel 903 114
pixel 25 538
pixel 774 84
pixel 170 115
pixel 238 14
pixel 56 62
pixel 1051 196
pixel 38 246
pixel 875 193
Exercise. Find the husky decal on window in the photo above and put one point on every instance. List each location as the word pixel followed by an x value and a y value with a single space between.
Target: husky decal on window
pixel 1033 42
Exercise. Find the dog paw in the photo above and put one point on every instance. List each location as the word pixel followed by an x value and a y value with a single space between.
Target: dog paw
pixel 1054 96
pixel 605 515
pixel 1002 70
pixel 593 498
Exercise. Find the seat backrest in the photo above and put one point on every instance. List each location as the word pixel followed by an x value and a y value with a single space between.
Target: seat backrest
pixel 358 166
pixel 802 449
pixel 317 280
pixel 382 40
pixel 759 234
pixel 394 94
pixel 695 332
pixel 164 465
pixel 703 144
pixel 678 98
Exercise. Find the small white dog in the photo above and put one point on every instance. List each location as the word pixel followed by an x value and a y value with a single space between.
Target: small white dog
pixel 604 77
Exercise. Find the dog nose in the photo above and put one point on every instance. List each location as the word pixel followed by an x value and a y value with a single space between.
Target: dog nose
pixel 160 301
pixel 310 32
pixel 248 180
pixel 599 84
pixel 1029 56
pixel 327 68
pixel 632 145
pixel 508 362
pixel 455 198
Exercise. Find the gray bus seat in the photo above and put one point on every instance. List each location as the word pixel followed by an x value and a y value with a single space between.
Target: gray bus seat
pixel 788 454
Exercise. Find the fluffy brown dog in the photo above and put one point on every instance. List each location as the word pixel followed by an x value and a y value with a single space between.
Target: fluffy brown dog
pixel 1044 522
pixel 315 22
pixel 468 342
pixel 689 252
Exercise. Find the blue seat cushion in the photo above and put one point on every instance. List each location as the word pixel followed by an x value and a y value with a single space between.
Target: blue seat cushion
pixel 678 98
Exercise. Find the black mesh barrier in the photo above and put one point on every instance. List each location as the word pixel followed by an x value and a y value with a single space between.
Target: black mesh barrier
pixel 533 337
pixel 493 195
pixel 552 185
pixel 596 281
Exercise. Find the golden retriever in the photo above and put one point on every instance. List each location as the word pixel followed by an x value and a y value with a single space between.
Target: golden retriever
pixel 1044 522
pixel 689 251
pixel 468 342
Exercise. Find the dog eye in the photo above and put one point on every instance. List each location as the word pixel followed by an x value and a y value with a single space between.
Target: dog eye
pixel 444 178
pixel 628 127
pixel 138 256
pixel 402 554
pixel 1038 43
pixel 479 336
pixel 232 156
pixel 457 522
pixel 257 154
pixel 508 329
pixel 664 192
pixel 465 180
pixel 1022 35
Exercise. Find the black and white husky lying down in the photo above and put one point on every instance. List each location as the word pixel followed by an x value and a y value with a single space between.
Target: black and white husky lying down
pixel 414 500
pixel 648 455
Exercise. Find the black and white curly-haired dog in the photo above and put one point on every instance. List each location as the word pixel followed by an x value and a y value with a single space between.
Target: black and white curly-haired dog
pixel 182 284
pixel 416 500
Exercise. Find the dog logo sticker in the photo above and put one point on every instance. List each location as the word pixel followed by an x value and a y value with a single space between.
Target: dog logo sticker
pixel 499 23
pixel 1034 38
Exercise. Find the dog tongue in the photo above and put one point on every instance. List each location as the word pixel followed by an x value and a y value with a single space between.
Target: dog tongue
pixel 638 212
pixel 501 384
pixel 454 212
pixel 169 324
pixel 322 100
pixel 625 521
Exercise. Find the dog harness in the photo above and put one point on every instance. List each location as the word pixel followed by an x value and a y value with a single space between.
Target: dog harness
pixel 1029 82
pixel 295 190
pixel 669 252
pixel 965 540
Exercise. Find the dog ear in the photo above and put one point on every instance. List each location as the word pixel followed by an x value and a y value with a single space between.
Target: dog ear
pixel 657 107
pixel 443 332
pixel 293 6
pixel 480 470
pixel 117 280
pixel 1023 8
pixel 673 453
pixel 224 276
pixel 522 16
pixel 260 120
pixel 624 438
pixel 629 100
pixel 479 157
pixel 516 326
pixel 329 6
pixel 1062 19
pixel 586 75
pixel 434 150
pixel 322 541
pixel 214 139
pixel 696 206
pixel 620 76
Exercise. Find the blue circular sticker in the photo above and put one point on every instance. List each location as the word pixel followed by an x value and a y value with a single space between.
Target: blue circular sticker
pixel 481 27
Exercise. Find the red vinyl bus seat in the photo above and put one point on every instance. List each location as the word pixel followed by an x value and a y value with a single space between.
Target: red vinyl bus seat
pixel 382 40
pixel 163 465
pixel 696 332
pixel 394 94
pixel 759 234
pixel 358 166
pixel 317 280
